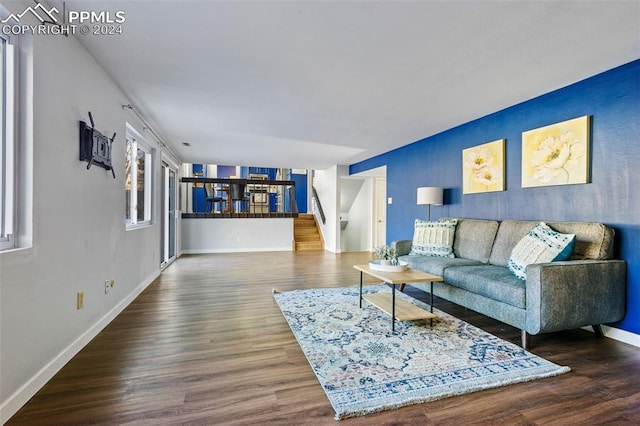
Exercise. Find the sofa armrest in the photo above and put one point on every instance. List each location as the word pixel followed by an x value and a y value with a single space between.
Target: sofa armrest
pixel 575 293
pixel 402 246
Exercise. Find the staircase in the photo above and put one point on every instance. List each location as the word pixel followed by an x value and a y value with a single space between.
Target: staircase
pixel 306 235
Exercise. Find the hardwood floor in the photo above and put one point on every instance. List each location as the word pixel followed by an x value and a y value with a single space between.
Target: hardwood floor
pixel 206 344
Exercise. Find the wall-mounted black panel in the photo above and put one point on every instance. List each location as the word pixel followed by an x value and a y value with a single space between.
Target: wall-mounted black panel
pixel 95 148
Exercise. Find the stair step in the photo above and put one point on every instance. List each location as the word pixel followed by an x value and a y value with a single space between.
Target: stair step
pixel 307 236
pixel 305 231
pixel 300 238
pixel 306 226
pixel 308 245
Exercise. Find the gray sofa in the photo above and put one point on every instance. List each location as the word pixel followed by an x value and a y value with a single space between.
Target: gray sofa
pixel 589 289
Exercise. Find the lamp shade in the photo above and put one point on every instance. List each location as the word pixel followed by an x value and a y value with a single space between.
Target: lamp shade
pixel 431 195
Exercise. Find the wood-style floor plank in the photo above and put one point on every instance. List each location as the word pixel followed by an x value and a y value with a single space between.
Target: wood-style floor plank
pixel 206 344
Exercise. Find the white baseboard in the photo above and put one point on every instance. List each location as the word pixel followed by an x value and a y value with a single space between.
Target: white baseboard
pixel 619 335
pixel 236 250
pixel 20 397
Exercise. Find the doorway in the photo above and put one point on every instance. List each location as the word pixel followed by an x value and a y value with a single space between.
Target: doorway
pixel 169 214
pixel 380 212
pixel 367 226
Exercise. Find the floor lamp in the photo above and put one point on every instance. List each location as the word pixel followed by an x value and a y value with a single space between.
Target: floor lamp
pixel 430 195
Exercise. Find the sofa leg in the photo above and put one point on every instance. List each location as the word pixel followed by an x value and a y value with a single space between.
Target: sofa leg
pixel 597 328
pixel 525 338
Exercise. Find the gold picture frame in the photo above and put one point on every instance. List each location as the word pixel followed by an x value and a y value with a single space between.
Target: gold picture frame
pixel 557 154
pixel 483 168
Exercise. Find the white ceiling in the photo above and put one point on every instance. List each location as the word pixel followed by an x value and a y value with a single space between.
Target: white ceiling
pixel 310 84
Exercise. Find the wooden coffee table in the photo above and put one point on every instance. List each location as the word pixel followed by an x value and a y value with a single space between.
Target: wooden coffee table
pixel 398 309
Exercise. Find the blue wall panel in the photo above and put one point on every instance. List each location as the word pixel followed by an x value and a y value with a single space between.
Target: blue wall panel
pixel 225 172
pixel 612 99
pixel 301 191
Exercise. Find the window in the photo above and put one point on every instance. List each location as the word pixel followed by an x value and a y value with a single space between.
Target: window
pixel 7 146
pixel 138 170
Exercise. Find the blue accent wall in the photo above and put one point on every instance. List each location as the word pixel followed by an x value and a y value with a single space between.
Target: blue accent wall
pixel 301 191
pixel 225 172
pixel 198 203
pixel 612 99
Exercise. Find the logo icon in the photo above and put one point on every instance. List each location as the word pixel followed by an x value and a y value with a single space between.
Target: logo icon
pixel 39 11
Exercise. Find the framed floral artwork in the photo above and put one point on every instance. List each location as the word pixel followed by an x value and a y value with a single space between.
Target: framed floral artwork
pixel 557 154
pixel 483 168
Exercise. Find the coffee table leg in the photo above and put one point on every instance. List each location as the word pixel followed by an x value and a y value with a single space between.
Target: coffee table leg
pixel 393 308
pixel 360 289
pixel 431 307
pixel 431 292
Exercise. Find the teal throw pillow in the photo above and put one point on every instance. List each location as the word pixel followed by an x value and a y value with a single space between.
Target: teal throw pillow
pixel 542 244
pixel 434 238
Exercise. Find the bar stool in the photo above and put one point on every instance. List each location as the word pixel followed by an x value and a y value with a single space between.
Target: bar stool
pixel 238 196
pixel 211 199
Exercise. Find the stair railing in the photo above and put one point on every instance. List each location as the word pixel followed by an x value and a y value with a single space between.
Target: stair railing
pixel 293 204
pixel 318 204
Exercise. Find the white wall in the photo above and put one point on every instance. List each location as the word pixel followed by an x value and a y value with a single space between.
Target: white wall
pixel 79 237
pixel 236 235
pixel 357 234
pixel 327 184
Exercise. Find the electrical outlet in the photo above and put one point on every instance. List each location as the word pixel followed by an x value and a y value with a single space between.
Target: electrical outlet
pixel 80 300
pixel 108 285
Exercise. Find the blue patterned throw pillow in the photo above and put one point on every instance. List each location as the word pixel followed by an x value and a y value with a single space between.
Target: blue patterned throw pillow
pixel 542 244
pixel 434 238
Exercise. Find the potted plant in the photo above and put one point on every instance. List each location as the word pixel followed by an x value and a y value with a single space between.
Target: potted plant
pixel 387 255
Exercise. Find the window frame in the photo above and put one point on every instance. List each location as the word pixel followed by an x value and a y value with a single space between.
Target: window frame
pixel 135 143
pixel 7 144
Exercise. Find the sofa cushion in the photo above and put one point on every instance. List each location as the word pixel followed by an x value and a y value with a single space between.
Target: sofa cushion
pixel 494 282
pixel 509 234
pixel 540 245
pixel 474 239
pixel 435 265
pixel 433 238
pixel 593 240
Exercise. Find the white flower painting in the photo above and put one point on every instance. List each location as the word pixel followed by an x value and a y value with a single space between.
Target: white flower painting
pixel 557 154
pixel 483 168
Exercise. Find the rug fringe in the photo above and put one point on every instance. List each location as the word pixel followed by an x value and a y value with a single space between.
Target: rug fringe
pixel 275 291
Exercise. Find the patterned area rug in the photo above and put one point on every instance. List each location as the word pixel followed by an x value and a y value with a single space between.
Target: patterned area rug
pixel 364 368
